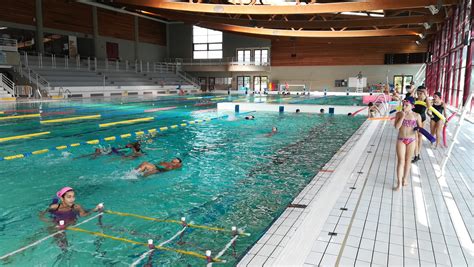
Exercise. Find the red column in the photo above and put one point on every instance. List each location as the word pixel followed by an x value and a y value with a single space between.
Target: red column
pixel 468 76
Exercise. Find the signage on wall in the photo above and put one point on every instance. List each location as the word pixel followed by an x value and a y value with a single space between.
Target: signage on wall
pixel 72 46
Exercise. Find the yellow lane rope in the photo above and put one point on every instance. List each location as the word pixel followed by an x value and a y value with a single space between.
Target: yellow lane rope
pixel 72 119
pixel 180 251
pixel 126 122
pixel 25 136
pixel 20 117
pixel 170 221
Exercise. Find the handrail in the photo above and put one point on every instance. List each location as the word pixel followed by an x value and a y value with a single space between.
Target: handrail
pixel 222 61
pixel 466 107
pixel 7 44
pixel 35 78
pixel 7 84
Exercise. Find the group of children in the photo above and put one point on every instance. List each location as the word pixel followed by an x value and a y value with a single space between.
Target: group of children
pixel 410 122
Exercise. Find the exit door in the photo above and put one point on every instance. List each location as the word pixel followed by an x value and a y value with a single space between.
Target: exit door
pixel 203 83
pixel 112 50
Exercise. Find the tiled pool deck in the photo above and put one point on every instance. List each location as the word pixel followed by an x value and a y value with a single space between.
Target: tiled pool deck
pixel 349 214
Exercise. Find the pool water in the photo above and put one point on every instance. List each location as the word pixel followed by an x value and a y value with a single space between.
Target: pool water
pixel 232 174
pixel 307 100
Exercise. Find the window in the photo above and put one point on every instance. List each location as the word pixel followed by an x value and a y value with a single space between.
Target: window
pixel 260 83
pixel 243 82
pixel 207 44
pixel 243 56
pixel 224 81
pixel 261 56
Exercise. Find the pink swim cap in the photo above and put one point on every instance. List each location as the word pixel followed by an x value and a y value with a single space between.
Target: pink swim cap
pixel 63 191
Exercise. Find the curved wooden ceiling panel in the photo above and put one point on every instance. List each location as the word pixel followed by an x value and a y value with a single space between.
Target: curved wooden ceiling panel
pixel 291 9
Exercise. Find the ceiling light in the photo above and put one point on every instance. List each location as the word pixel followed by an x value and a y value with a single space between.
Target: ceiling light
pixel 433 9
pixel 3 28
pixel 422 36
pixel 418 43
pixel 363 14
pixel 427 25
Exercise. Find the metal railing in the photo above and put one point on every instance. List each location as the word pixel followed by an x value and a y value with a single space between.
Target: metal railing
pixel 64 93
pixel 34 78
pixel 21 90
pixel 7 44
pixel 456 133
pixel 41 61
pixel 210 62
pixel 7 84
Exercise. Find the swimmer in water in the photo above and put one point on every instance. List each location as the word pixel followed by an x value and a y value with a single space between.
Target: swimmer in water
pixel 64 208
pixel 251 117
pixel 273 132
pixel 148 168
pixel 101 152
pixel 136 150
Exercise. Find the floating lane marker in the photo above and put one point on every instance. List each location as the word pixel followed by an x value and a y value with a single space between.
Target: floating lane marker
pixel 72 119
pixel 173 221
pixel 159 109
pixel 126 122
pixel 180 251
pixel 20 117
pixel 381 119
pixel 218 98
pixel 25 136
pixel 45 238
pixel 110 138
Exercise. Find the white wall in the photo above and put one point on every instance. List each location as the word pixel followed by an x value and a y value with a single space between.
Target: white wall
pixel 320 77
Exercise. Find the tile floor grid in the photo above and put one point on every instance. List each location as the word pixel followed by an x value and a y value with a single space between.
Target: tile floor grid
pixel 359 171
pixel 427 175
pixel 254 255
pixel 411 227
pixel 451 248
pixel 367 242
pixel 461 181
pixel 382 257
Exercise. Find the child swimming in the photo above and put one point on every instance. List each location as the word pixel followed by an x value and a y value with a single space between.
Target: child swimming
pixel 148 168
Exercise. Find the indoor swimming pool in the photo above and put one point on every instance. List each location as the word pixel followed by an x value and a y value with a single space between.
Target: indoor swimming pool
pixel 233 174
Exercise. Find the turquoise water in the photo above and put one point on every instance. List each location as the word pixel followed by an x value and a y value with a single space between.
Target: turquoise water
pixel 310 100
pixel 232 175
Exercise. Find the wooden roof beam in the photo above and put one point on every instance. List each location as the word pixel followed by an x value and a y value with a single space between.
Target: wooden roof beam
pixel 319 34
pixel 311 24
pixel 287 9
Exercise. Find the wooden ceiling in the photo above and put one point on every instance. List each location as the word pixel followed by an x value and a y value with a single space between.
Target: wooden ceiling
pixel 308 19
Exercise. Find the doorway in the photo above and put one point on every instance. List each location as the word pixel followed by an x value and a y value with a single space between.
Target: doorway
pixel 402 81
pixel 203 83
pixel 112 50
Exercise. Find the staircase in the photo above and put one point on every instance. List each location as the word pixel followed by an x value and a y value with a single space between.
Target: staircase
pixel 7 88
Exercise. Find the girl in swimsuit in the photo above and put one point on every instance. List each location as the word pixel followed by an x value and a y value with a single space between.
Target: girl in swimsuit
pixel 420 109
pixel 66 211
pixel 436 123
pixel 405 122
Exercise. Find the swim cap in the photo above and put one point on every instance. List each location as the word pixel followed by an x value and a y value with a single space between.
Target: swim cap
pixel 410 99
pixel 63 191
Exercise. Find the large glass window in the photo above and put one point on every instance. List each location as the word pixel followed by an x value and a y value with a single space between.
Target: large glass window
pixel 243 56
pixel 260 83
pixel 261 56
pixel 243 82
pixel 207 44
